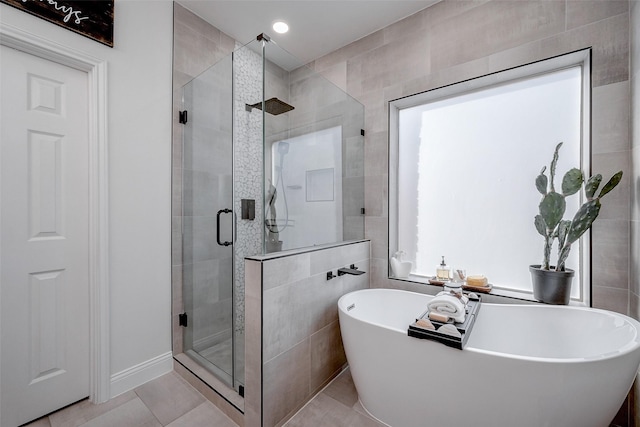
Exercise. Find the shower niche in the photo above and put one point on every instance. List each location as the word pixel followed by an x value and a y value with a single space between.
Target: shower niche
pixel 272 159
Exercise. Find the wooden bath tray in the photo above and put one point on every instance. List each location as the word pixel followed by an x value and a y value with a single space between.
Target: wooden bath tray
pixel 416 331
pixel 483 289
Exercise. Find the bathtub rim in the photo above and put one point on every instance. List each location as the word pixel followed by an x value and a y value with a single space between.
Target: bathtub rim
pixel 629 347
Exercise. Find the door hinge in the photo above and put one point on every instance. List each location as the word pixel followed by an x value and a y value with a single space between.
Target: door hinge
pixel 361 211
pixel 241 390
pixel 183 117
pixel 362 132
pixel 182 319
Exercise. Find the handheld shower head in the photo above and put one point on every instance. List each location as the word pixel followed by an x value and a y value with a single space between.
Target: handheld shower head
pixel 283 147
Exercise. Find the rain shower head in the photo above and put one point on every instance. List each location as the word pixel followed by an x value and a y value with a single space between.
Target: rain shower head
pixel 272 106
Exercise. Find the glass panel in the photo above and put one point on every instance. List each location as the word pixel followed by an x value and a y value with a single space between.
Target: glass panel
pixel 314 157
pixel 319 153
pixel 247 151
pixel 208 221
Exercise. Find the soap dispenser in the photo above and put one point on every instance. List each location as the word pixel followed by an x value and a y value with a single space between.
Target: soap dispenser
pixel 443 271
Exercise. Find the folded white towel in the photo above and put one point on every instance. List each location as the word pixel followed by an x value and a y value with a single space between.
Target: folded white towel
pixel 448 304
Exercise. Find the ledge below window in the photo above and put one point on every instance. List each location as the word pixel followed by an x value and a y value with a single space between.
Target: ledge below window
pixel 496 295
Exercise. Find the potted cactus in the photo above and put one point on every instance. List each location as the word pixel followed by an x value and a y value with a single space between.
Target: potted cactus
pixel 552 284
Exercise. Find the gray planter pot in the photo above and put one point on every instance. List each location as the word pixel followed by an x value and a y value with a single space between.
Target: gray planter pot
pixel 551 287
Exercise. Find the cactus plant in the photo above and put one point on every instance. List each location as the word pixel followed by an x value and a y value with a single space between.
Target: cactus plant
pixel 550 223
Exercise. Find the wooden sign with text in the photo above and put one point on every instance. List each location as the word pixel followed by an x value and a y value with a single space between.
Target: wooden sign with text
pixel 91 18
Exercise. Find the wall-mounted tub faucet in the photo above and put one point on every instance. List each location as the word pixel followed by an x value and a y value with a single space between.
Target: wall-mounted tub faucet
pixel 351 270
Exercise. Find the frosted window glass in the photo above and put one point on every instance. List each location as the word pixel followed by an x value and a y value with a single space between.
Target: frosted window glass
pixel 467 166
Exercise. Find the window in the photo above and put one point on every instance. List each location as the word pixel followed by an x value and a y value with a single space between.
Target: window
pixel 463 162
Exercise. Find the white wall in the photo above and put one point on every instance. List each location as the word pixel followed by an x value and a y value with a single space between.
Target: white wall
pixel 139 140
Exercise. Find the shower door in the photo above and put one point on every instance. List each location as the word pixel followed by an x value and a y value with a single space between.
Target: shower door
pixel 208 221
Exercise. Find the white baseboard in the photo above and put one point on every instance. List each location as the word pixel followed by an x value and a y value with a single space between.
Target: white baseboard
pixel 139 374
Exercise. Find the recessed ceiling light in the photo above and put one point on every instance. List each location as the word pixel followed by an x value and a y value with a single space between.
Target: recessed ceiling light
pixel 280 27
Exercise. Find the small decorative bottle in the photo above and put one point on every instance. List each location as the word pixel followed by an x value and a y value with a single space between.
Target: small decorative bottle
pixel 443 271
pixel 454 286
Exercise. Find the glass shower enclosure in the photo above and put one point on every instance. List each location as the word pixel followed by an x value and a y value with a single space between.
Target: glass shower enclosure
pixel 272 159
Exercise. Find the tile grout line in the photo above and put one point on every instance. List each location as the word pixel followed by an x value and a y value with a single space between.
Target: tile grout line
pixel 135 390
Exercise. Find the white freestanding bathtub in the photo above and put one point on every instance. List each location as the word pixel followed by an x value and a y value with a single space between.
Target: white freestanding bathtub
pixel 524 365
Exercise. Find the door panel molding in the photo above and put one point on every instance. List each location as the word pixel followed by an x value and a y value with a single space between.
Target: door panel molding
pixel 96 69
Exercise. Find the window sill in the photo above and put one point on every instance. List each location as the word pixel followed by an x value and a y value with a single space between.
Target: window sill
pixel 496 295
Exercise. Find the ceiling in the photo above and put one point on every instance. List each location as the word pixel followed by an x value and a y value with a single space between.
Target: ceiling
pixel 315 27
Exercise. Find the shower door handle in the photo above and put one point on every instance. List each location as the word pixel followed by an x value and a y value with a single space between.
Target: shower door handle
pixel 220 212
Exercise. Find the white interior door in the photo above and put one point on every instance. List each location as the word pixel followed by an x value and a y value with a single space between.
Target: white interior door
pixel 44 270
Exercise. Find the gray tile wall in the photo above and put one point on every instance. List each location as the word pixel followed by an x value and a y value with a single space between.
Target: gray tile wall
pixel 448 42
pixel 457 40
pixel 635 161
pixel 634 267
pixel 301 345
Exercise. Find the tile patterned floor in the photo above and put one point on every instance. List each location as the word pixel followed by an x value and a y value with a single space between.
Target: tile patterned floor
pixel 336 406
pixel 170 401
pixel 166 401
